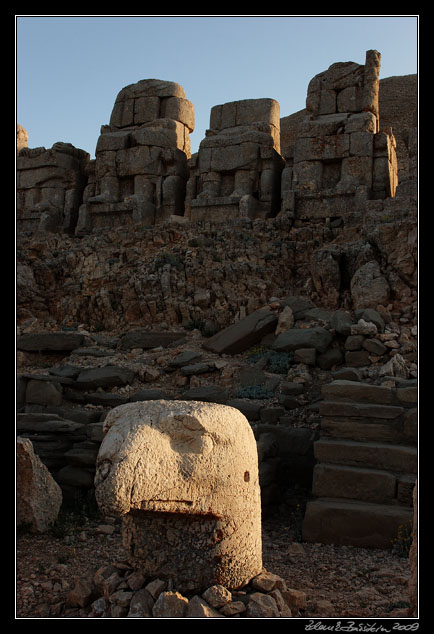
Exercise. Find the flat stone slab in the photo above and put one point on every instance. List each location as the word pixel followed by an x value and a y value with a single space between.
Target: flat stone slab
pixel 360 524
pixel 107 376
pixel 148 395
pixel 148 340
pixel 244 333
pixel 210 394
pixel 50 341
pixel 185 358
pixel 47 423
pixel 295 338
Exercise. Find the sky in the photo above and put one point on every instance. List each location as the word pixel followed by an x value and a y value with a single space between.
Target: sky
pixel 69 69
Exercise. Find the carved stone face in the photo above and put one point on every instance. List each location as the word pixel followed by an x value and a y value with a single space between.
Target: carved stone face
pixel 176 457
pixel 184 476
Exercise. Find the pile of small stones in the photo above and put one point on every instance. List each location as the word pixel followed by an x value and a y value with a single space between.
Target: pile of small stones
pixel 118 591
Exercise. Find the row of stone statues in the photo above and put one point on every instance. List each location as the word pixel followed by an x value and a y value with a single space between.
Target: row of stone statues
pixel 143 171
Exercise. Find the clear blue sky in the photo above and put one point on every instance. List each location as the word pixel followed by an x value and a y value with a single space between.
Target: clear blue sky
pixel 69 69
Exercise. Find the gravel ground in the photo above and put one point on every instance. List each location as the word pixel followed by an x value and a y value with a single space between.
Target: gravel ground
pixel 339 581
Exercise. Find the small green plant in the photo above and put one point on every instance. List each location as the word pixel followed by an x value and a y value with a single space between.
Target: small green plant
pixel 276 362
pixel 401 544
pixel 254 391
pixel 208 329
pixel 165 257
pixel 195 324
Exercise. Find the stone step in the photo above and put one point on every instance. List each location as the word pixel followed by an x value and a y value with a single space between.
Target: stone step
pixel 389 457
pixel 347 522
pixel 376 430
pixel 360 410
pixel 357 483
pixel 356 391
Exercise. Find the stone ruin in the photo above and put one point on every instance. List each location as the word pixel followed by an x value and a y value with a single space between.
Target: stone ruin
pixel 144 173
pixel 140 170
pixel 238 167
pixel 341 158
pixel 184 478
pixel 50 186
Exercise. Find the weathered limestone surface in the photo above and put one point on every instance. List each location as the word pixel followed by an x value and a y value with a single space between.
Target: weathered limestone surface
pixel 184 477
pixel 39 497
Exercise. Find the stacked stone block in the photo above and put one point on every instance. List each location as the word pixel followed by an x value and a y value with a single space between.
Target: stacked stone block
pixel 238 167
pixel 50 186
pixel 140 170
pixel 341 158
pixel 366 464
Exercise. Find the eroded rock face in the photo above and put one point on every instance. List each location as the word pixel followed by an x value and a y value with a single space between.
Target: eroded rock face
pixel 184 476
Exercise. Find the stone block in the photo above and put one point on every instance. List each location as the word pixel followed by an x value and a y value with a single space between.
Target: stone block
pixel 329 358
pixel 295 338
pixel 405 487
pixel 383 456
pixel 322 148
pixel 244 333
pixel 361 122
pixel 43 392
pixel 233 157
pixel 307 175
pixel 327 102
pixel 350 99
pixel 356 483
pixel 356 391
pixel 375 346
pixel 146 109
pixel 107 376
pixel 356 170
pixel 357 358
pixel 112 141
pixel 359 410
pixel 305 355
pixel 180 110
pixel 407 395
pixel 354 342
pixel 377 430
pixel 324 125
pixel 361 144
pixel 359 524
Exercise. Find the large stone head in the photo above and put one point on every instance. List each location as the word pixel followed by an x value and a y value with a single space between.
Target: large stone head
pixel 184 475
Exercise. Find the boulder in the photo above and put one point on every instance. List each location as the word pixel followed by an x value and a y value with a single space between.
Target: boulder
pixel 244 333
pixel 39 497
